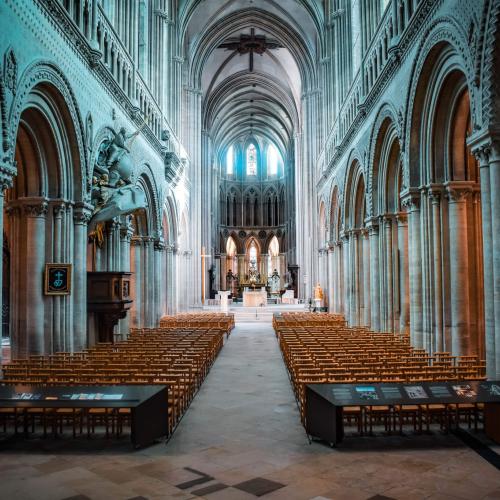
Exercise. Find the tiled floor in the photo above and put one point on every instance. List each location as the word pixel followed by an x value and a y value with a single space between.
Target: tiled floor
pixel 242 438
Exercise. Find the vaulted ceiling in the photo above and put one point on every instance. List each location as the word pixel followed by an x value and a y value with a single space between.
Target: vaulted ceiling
pixel 252 61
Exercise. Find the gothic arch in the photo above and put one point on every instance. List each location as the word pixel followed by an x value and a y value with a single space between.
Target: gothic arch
pixel 45 86
pixel 442 51
pixel 385 120
pixel 146 181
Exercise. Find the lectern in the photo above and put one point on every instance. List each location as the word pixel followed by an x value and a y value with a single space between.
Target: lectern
pixel 108 296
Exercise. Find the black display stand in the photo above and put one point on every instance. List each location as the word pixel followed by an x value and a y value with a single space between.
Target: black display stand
pixel 148 404
pixel 325 402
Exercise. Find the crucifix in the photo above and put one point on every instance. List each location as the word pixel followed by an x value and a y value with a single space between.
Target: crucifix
pixel 203 266
pixel 250 44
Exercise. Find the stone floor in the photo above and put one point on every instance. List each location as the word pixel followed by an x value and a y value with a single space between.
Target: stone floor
pixel 241 439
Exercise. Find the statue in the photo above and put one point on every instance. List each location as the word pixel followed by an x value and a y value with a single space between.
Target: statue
pixel 318 292
pixel 274 282
pixel 232 283
pixel 112 191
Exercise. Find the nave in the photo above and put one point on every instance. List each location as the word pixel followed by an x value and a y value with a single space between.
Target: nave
pixel 244 425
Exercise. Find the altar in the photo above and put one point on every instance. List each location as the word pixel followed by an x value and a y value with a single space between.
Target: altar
pixel 254 298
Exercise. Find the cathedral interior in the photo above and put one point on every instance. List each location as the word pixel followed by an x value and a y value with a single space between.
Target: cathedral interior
pixel 250 249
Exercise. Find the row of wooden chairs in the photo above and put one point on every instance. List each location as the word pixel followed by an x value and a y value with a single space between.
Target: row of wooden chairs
pixel 320 348
pixel 205 320
pixel 178 357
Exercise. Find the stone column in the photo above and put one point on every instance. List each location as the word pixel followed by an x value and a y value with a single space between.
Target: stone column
pixel 389 269
pixel 354 289
pixel 374 275
pixel 459 268
pixel 82 214
pixel 148 281
pixel 58 340
pixel 438 342
pixel 241 267
pixel 136 310
pixel 33 308
pixel 404 308
pixel 495 233
pixel 346 274
pixel 331 278
pixel 365 242
pixel 126 232
pixel 411 201
pixel 7 173
pixel 483 154
pixel 338 277
pixel 159 247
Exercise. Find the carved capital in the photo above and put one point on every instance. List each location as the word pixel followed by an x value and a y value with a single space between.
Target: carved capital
pixel 458 194
pixel 136 241
pixel 435 192
pixel 59 209
pixel 410 200
pixel 402 218
pixel 82 213
pixel 36 208
pixel 159 244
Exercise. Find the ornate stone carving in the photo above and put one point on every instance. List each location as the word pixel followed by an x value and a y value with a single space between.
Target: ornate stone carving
pixel 8 171
pixel 10 70
pixel 82 213
pixel 174 168
pixel 36 208
pixel 113 193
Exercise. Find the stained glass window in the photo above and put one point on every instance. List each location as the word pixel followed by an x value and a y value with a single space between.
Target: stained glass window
pixel 251 160
pixel 230 161
pixel 272 160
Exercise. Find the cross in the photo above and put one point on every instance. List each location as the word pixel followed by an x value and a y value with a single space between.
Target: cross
pixel 58 281
pixel 250 44
pixel 203 258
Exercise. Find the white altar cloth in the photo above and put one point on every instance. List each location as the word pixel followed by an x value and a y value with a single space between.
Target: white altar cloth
pixel 254 298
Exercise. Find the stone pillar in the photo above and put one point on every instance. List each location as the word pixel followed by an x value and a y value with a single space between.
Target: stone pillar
pixel 331 278
pixel 148 281
pixel 136 316
pixel 241 267
pixel 82 214
pixel 459 268
pixel 438 341
pixel 58 340
pixel 404 307
pixel 411 201
pixel 7 173
pixel 374 275
pixel 126 231
pixel 354 278
pixel 365 241
pixel 338 277
pixel 483 154
pixel 159 247
pixel 33 309
pixel 346 274
pixel 389 272
pixel 495 232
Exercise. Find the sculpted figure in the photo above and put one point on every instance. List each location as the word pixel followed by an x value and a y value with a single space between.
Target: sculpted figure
pixel 318 292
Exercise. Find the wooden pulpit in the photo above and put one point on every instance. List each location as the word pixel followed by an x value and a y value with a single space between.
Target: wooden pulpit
pixel 108 296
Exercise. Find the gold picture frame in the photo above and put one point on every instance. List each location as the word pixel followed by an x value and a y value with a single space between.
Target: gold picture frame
pixel 52 287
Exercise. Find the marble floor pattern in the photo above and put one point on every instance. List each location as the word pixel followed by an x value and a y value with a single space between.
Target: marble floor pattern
pixel 241 438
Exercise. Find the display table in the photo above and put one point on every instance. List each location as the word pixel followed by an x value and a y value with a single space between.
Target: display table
pixel 148 404
pixel 325 402
pixel 254 298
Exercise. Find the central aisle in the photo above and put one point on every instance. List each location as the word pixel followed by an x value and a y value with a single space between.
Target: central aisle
pixel 246 398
